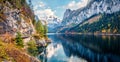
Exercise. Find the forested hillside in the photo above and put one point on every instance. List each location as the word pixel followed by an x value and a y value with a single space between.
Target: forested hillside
pixel 106 23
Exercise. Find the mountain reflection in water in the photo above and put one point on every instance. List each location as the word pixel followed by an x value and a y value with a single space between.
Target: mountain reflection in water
pixel 82 48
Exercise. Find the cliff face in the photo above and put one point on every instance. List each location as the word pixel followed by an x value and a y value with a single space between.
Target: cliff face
pixel 16 16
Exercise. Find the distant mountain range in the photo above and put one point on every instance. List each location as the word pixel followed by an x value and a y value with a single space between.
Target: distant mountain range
pixel 97 16
pixel 51 21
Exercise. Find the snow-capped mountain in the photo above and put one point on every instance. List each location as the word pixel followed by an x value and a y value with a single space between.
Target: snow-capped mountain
pixel 52 22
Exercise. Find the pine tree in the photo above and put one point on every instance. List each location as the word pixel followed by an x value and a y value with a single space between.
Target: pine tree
pixel 19 40
pixel 39 27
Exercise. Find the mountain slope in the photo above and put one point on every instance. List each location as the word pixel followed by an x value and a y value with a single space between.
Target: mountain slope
pixel 16 17
pixel 95 7
pixel 107 23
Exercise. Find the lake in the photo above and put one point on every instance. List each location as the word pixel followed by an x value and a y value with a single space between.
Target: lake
pixel 82 48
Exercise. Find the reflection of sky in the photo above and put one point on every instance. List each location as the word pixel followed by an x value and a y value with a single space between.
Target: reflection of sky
pixel 55 53
pixel 76 59
pixel 67 48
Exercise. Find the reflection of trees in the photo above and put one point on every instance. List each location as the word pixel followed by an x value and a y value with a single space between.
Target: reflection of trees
pixel 92 48
pixel 42 55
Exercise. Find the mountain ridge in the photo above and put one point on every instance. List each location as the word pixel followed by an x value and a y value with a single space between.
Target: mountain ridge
pixel 72 18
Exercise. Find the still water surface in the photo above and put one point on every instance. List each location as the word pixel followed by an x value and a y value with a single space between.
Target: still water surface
pixel 81 48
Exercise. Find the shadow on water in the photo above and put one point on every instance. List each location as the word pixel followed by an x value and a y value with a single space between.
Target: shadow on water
pixel 76 48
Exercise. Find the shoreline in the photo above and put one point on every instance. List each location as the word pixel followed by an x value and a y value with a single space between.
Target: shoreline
pixel 118 34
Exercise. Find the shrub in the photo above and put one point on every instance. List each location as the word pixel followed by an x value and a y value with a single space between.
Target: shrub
pixel 32 48
pixel 3 54
pixel 19 40
pixel 39 27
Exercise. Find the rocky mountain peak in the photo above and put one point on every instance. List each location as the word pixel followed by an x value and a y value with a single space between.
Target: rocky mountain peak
pixel 93 7
pixel 67 13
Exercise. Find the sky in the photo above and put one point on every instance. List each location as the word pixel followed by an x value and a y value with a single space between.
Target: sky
pixel 56 8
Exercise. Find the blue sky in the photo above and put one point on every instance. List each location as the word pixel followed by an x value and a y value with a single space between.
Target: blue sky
pixel 46 8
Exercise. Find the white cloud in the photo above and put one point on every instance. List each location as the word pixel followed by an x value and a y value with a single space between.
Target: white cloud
pixel 40 5
pixel 35 7
pixel 42 14
pixel 76 5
